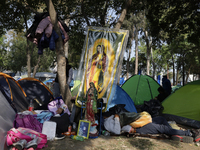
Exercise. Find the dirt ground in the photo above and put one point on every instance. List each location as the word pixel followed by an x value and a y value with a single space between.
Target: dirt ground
pixel 120 143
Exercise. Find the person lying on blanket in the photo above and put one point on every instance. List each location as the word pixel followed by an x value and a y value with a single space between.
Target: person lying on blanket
pixel 159 125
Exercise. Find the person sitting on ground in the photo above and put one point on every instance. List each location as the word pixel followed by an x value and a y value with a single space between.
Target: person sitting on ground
pixel 61 118
pixel 159 125
pixel 162 94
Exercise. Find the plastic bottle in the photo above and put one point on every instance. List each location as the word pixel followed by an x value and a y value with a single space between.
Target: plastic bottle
pixel 105 133
pixel 75 137
pixel 70 129
pixel 31 107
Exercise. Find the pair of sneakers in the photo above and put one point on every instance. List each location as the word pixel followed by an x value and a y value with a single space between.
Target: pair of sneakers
pixel 195 136
pixel 21 144
pixel 184 139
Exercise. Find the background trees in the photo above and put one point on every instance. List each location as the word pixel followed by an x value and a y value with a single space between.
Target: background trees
pixel 167 33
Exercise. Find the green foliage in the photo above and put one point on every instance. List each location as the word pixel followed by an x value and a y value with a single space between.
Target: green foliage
pixel 17 55
pixel 175 18
pixel 17 58
pixel 175 24
pixel 3 54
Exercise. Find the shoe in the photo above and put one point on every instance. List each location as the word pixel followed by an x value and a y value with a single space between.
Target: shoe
pixel 196 134
pixel 59 137
pixel 20 144
pixel 32 144
pixel 184 139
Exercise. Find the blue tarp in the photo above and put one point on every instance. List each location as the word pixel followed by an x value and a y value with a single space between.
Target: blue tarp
pixel 158 79
pixel 121 97
pixel 49 80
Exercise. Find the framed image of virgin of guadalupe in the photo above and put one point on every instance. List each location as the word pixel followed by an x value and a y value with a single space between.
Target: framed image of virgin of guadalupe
pixel 83 128
pixel 101 62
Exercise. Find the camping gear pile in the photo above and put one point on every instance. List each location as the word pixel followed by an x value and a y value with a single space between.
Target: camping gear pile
pixel 16 96
pixel 21 129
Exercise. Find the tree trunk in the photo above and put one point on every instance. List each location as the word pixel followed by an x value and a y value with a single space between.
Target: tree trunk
pixel 153 64
pixel 148 52
pixel 28 55
pixel 173 70
pixel 183 73
pixel 187 75
pixel 177 74
pixel 167 69
pixel 121 19
pixel 123 14
pixel 60 53
pixel 68 92
pixel 136 50
pixel 36 66
pixel 128 63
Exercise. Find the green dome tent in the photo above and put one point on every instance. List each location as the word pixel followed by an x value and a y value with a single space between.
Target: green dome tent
pixel 185 102
pixel 141 88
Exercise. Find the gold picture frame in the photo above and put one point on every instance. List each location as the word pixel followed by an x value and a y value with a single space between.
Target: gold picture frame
pixel 84 128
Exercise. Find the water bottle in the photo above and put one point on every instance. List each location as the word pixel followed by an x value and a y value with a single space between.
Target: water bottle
pixel 70 129
pixel 75 137
pixel 105 133
pixel 31 107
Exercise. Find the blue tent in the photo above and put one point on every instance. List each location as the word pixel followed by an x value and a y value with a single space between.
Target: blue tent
pixel 121 81
pixel 119 96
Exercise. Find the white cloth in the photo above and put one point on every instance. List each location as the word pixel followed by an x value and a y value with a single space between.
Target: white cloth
pixel 112 124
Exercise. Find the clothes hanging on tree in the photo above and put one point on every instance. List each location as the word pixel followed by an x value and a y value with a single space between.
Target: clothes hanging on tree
pixel 42 33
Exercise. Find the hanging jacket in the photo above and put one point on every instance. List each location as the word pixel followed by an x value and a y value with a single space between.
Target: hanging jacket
pixel 47 42
pixel 30 34
pixel 43 25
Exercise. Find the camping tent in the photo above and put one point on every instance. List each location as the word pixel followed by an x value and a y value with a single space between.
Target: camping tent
pixel 141 88
pixel 184 102
pixel 121 97
pixel 35 89
pixel 7 114
pixel 13 92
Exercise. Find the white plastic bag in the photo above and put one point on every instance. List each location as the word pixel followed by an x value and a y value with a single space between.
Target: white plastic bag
pixel 49 128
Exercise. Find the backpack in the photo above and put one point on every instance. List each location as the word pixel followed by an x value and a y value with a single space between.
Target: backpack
pixel 57 103
pixel 27 121
pixel 14 135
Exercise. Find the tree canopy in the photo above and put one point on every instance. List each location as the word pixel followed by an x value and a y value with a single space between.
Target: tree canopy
pixel 172 27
